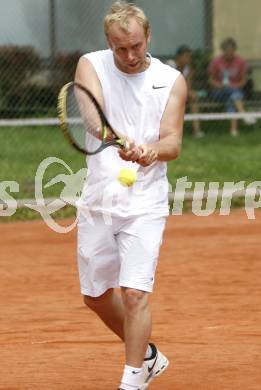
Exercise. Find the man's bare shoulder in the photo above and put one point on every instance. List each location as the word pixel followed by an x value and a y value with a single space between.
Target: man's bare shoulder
pixel 86 75
pixel 179 88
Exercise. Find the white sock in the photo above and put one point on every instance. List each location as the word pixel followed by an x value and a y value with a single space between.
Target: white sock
pixel 148 352
pixel 132 377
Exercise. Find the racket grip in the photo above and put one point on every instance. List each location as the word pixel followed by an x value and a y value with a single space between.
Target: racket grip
pixel 126 145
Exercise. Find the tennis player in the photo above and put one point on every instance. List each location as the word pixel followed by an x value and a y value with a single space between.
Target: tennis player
pixel 144 100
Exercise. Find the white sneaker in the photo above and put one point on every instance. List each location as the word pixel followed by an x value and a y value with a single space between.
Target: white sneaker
pixel 153 367
pixel 249 120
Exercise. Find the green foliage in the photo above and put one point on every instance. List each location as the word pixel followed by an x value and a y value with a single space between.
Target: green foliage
pixel 23 95
pixel 29 100
pixel 65 66
pixel 16 63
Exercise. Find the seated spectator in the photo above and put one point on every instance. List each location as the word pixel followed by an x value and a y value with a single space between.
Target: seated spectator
pixel 227 77
pixel 183 62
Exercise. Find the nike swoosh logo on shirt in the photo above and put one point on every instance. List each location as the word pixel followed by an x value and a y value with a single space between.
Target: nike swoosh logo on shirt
pixel 135 372
pixel 158 87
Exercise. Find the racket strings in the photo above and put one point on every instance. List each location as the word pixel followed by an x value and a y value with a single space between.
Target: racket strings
pixel 83 120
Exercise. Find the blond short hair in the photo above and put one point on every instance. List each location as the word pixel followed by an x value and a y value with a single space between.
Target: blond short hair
pixel 121 12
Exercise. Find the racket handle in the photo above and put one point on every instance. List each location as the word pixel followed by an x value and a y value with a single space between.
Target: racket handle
pixel 126 145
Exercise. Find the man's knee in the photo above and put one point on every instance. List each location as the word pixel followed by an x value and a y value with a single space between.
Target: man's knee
pixel 134 300
pixel 236 95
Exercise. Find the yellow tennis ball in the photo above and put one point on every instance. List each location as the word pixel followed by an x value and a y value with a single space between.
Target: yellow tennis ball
pixel 127 177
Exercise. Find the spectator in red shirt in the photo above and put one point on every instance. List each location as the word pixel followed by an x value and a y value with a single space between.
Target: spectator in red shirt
pixel 227 77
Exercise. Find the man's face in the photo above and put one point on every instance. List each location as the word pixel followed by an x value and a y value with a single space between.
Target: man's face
pixel 229 52
pixel 129 47
pixel 186 58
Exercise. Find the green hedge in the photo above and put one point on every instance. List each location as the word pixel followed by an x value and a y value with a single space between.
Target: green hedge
pixel 21 94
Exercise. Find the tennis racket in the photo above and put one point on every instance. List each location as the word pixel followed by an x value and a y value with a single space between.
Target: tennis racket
pixel 83 121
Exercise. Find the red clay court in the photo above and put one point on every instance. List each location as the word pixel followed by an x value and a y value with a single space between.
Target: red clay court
pixel 206 307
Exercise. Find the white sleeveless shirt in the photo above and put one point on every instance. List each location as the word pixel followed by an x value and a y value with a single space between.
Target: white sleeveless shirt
pixel 134 105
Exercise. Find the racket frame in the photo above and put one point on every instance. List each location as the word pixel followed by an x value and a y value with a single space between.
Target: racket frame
pixel 62 115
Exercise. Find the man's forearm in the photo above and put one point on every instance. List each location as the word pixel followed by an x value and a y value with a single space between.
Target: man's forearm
pixel 167 148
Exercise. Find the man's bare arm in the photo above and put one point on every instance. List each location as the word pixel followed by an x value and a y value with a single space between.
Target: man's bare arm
pixel 86 75
pixel 171 128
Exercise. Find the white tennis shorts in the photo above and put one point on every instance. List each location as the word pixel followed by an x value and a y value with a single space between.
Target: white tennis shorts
pixel 122 254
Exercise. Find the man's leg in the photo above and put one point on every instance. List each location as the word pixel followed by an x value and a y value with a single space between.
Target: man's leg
pixel 139 242
pixel 223 95
pixel 109 307
pixel 137 325
pixel 236 101
pixel 234 104
pixel 233 127
pixel 139 372
pixel 193 99
pixel 128 317
pixel 237 104
pixel 240 108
